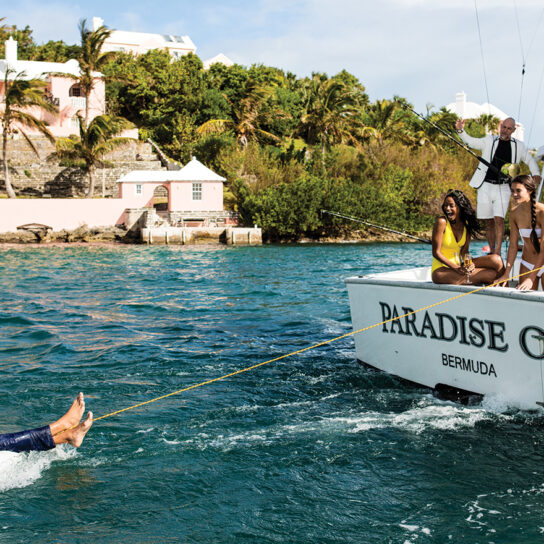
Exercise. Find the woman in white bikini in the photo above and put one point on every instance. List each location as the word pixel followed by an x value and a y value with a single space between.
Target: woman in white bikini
pixel 526 222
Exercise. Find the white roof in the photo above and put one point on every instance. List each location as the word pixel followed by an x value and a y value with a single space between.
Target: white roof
pixel 222 59
pixel 193 171
pixel 472 110
pixel 149 41
pixel 35 69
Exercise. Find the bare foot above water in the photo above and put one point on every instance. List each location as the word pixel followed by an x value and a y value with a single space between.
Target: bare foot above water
pixel 69 429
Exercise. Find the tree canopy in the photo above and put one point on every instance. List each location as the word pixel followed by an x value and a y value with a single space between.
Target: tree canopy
pixel 287 145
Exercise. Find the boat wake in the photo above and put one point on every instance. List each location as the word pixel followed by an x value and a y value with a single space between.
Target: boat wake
pixel 23 469
pixel 426 415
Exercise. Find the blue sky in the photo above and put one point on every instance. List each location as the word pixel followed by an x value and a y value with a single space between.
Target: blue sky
pixel 424 50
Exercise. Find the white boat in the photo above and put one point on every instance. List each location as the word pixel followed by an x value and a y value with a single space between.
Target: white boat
pixel 486 343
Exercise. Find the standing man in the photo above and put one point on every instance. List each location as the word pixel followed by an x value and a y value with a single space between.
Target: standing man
pixel 493 192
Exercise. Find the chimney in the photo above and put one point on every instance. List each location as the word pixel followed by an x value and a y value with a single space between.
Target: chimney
pixel 11 51
pixel 97 23
pixel 460 101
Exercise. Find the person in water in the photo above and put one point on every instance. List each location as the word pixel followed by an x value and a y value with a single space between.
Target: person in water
pixel 69 429
pixel 451 239
pixel 493 191
pixel 526 222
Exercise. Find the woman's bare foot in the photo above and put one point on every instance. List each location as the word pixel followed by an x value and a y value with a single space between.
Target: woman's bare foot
pixel 76 435
pixel 71 418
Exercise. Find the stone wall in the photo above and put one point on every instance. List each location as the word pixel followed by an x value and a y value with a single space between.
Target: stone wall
pixel 38 176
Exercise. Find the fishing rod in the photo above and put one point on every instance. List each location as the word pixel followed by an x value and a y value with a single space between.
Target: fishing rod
pixel 504 178
pixel 424 240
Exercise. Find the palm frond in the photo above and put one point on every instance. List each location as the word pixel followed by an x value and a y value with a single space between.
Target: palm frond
pixel 110 145
pixel 214 126
pixel 29 142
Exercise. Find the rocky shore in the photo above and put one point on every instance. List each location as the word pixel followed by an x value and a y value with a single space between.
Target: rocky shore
pixel 80 235
pixel 114 235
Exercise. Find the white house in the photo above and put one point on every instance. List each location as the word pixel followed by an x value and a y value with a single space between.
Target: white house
pixel 218 59
pixel 142 42
pixel 472 110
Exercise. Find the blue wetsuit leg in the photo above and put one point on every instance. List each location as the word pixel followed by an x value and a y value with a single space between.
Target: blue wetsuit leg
pixel 39 439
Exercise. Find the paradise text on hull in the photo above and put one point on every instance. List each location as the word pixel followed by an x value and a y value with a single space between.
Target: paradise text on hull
pixel 466 330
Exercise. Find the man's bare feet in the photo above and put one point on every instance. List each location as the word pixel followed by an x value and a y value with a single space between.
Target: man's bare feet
pixel 71 418
pixel 69 429
pixel 76 435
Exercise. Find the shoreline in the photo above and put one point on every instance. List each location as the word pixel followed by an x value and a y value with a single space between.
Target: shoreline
pixel 103 243
pixel 115 237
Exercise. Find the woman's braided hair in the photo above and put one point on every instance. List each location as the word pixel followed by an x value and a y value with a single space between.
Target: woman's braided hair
pixel 466 212
pixel 530 185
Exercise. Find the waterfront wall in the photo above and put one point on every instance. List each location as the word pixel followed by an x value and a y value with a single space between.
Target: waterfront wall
pixel 201 235
pixel 61 213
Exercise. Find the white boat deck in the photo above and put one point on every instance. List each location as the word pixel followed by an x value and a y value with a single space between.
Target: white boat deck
pixel 420 278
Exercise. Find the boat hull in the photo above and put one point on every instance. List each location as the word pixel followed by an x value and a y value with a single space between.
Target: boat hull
pixel 488 343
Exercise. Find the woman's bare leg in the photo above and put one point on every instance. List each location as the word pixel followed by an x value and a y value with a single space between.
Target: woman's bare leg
pixel 478 275
pixel 449 276
pixel 483 275
pixel 493 262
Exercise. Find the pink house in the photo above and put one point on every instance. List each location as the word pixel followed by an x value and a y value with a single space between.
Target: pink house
pixel 62 90
pixel 192 194
pixel 193 188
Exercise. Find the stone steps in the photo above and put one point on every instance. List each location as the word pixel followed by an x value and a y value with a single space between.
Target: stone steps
pixel 20 153
pixel 33 177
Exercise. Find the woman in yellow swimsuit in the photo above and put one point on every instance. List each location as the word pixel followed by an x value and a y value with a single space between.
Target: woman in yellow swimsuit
pixel 451 240
pixel 526 222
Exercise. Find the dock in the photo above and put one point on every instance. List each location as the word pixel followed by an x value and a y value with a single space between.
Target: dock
pixel 169 235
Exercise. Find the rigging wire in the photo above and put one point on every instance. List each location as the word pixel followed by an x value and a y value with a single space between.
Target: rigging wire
pixel 536 105
pixel 522 60
pixel 482 55
pixel 536 32
pixel 540 80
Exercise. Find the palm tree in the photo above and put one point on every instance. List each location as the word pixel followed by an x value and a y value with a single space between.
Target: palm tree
pixel 331 114
pixel 445 120
pixel 387 120
pixel 94 141
pixel 247 116
pixel 490 122
pixel 20 95
pixel 91 59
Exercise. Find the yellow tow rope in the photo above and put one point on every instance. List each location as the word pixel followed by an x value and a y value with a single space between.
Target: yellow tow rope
pixel 247 369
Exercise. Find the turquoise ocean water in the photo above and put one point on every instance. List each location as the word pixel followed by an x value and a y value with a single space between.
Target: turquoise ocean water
pixel 313 448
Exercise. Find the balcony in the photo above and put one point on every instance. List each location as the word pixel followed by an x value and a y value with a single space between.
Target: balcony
pixel 78 102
